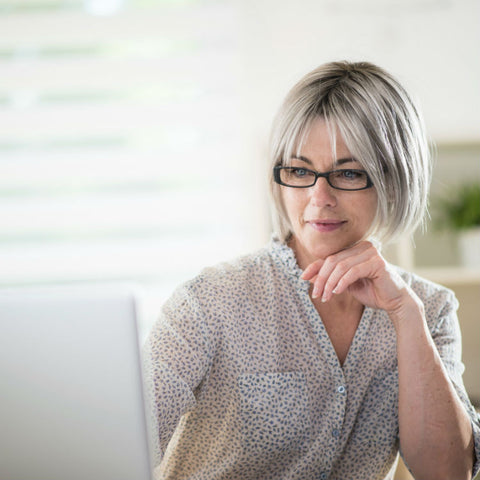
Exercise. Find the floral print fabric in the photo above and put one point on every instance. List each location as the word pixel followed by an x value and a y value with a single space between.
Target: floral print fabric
pixel 244 382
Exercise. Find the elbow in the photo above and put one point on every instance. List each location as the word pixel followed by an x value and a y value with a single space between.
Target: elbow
pixel 454 460
pixel 458 470
pixel 461 470
pixel 451 465
pixel 453 475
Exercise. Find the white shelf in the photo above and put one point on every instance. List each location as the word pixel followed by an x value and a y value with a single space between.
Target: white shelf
pixel 450 275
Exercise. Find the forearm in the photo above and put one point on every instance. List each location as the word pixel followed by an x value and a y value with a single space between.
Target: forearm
pixel 435 431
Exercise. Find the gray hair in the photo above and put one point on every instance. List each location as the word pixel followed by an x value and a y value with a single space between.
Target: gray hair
pixel 381 127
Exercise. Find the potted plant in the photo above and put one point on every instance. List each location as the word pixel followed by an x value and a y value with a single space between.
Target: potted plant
pixel 460 212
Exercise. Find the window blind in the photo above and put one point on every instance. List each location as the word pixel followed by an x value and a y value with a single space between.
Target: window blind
pixel 120 141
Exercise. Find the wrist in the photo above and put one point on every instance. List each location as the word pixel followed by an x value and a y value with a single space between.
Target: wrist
pixel 408 313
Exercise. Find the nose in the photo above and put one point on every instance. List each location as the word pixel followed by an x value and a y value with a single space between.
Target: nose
pixel 322 194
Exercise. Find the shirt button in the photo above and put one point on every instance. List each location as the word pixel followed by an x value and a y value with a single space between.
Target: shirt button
pixel 341 389
pixel 335 432
pixel 323 476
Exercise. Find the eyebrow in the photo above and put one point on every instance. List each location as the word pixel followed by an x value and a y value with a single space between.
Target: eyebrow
pixel 337 163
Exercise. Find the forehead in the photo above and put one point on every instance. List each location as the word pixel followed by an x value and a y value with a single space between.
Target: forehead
pixel 345 162
pixel 323 138
pixel 322 146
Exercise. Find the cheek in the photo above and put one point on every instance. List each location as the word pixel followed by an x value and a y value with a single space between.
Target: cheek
pixel 292 203
pixel 370 209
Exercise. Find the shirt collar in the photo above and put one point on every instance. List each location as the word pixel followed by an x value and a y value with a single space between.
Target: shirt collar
pixel 282 252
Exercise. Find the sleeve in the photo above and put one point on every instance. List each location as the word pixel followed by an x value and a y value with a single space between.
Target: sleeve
pixel 176 357
pixel 447 337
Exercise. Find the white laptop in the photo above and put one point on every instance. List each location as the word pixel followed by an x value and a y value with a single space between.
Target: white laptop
pixel 71 401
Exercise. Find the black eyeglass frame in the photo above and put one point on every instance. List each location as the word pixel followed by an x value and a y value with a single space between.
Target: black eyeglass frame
pixel 326 175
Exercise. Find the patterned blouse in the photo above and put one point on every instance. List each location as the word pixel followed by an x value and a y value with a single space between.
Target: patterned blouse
pixel 245 383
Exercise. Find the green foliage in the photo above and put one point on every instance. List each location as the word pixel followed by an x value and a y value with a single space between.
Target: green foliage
pixel 461 210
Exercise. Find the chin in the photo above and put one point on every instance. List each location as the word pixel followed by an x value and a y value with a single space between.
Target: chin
pixel 317 249
pixel 307 252
pixel 323 252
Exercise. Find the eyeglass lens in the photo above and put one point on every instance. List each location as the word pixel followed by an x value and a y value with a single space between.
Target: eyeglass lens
pixel 347 179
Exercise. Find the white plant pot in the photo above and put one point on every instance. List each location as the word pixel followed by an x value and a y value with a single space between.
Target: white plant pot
pixel 469 247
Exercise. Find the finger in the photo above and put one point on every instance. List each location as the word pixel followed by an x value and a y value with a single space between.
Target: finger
pixel 330 282
pixel 312 270
pixel 372 269
pixel 341 264
pixel 351 276
pixel 323 275
pixel 359 251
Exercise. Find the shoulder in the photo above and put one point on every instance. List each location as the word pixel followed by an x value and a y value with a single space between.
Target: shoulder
pixel 249 267
pixel 424 288
pixel 245 276
pixel 244 270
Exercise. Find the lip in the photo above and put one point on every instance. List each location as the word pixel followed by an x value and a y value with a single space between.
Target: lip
pixel 326 225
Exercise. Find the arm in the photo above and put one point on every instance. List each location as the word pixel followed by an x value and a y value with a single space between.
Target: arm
pixel 435 430
pixel 176 357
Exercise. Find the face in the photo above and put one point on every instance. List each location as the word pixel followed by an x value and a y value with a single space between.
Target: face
pixel 325 220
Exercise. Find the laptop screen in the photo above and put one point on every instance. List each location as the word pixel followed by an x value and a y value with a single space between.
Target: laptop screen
pixel 71 400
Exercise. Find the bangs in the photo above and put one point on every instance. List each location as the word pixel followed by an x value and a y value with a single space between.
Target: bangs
pixel 298 137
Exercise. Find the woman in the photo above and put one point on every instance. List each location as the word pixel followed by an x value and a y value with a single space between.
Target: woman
pixel 313 357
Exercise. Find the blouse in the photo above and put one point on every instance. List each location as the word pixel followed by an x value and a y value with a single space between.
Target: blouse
pixel 244 382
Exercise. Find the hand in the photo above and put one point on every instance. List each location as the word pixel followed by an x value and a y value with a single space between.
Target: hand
pixel 361 271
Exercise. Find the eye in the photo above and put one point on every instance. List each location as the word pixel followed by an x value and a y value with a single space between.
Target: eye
pixel 351 174
pixel 349 179
pixel 299 172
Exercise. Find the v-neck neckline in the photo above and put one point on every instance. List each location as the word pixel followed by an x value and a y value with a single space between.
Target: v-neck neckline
pixel 358 339
pixel 287 257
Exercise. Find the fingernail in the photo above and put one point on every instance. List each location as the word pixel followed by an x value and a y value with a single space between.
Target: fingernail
pixel 315 293
pixel 334 291
pixel 324 299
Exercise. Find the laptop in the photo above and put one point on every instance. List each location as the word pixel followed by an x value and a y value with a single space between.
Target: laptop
pixel 71 397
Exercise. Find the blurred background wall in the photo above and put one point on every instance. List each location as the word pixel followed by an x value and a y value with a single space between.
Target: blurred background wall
pixel 134 132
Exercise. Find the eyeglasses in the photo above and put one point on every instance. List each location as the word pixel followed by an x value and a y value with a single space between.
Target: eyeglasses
pixel 344 179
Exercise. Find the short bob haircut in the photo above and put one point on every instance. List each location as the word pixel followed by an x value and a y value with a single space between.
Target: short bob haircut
pixel 381 127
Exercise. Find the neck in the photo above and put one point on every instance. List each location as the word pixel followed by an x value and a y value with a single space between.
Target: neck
pixel 341 305
pixel 302 260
